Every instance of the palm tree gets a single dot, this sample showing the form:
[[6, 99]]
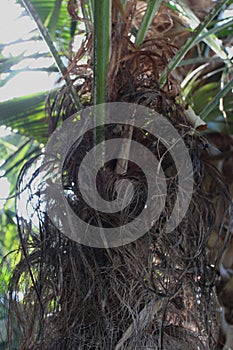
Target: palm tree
[[157, 291]]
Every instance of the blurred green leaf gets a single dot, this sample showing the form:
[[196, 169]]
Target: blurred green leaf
[[199, 28], [212, 103], [27, 115], [53, 14]]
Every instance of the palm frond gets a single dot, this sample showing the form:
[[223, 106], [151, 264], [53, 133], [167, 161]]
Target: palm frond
[[192, 41], [27, 115]]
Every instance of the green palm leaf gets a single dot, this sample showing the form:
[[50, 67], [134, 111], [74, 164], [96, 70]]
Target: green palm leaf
[[27, 115]]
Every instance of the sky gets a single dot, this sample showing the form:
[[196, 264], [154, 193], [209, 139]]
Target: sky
[[14, 27]]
